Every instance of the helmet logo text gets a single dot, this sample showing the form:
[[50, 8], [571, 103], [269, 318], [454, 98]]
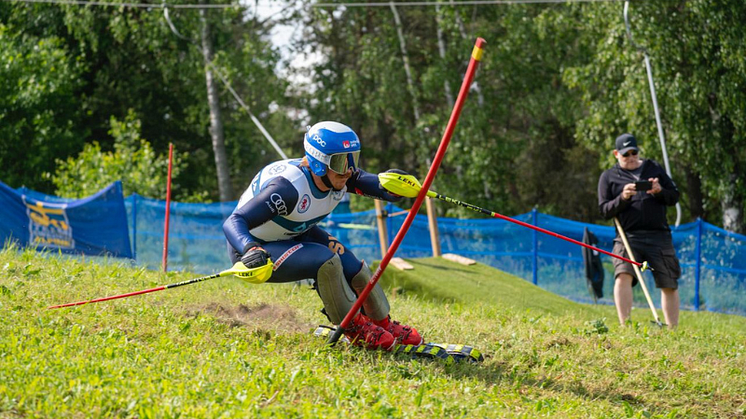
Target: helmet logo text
[[318, 139]]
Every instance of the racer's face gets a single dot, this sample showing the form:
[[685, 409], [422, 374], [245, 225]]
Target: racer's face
[[337, 180]]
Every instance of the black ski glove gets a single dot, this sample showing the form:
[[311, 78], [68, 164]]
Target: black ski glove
[[254, 256]]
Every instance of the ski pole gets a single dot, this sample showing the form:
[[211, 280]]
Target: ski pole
[[408, 186], [254, 276], [637, 272], [476, 57]]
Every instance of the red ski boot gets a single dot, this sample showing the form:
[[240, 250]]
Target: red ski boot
[[406, 335], [363, 332]]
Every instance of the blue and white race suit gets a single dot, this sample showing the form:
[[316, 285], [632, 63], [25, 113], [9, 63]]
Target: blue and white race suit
[[281, 209]]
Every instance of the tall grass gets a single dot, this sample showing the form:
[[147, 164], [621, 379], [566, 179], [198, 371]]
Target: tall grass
[[226, 349]]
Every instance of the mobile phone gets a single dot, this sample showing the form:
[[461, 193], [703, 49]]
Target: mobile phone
[[643, 185]]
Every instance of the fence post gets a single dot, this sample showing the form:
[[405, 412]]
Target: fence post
[[168, 208], [535, 264], [389, 222], [432, 221], [134, 227], [698, 264], [381, 222]]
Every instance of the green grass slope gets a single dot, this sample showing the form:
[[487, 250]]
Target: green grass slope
[[441, 280], [227, 349], [444, 282]]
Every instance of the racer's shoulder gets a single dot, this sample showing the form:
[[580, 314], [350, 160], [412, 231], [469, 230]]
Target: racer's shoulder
[[286, 168]]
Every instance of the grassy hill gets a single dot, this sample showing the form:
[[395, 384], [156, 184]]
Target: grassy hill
[[227, 349], [440, 280]]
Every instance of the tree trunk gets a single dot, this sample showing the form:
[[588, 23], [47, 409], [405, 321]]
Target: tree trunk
[[405, 58], [442, 50], [464, 35], [216, 122], [732, 206], [694, 186]]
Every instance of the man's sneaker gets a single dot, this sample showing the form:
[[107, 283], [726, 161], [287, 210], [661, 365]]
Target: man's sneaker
[[363, 332], [405, 335]]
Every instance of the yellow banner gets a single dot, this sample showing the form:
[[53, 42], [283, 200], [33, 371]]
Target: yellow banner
[[49, 227]]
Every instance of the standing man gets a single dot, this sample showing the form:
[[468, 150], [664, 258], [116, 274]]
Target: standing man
[[642, 214], [278, 215]]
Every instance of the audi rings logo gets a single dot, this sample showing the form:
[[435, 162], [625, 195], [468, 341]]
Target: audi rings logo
[[279, 204], [319, 140]]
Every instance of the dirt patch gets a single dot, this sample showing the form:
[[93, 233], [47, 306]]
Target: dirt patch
[[264, 317]]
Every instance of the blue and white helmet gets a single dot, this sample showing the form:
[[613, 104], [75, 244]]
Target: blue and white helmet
[[331, 145]]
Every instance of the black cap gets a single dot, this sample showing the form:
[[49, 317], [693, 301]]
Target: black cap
[[625, 143]]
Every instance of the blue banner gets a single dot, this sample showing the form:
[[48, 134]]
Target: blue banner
[[96, 225]]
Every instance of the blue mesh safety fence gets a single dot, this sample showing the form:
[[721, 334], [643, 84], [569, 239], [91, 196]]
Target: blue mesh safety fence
[[195, 241], [713, 261]]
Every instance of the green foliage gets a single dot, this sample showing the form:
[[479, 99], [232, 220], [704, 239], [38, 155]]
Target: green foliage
[[39, 82], [556, 85], [223, 348], [70, 68], [693, 48], [517, 119], [597, 326], [133, 161]]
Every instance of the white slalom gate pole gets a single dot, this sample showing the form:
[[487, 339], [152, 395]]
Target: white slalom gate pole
[[649, 70]]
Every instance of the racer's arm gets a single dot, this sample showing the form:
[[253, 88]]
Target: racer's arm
[[367, 184], [609, 205], [278, 197]]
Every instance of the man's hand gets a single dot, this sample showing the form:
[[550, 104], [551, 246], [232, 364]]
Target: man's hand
[[255, 257], [656, 189], [629, 191]]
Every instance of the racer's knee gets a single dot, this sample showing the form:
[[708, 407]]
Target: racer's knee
[[376, 306], [333, 289]]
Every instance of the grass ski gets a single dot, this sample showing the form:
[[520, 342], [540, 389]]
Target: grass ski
[[449, 353]]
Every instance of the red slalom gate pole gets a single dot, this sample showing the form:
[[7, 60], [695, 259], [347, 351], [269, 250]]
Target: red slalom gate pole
[[533, 227], [476, 57], [168, 207]]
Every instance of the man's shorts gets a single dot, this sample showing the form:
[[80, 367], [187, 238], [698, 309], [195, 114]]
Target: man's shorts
[[660, 254]]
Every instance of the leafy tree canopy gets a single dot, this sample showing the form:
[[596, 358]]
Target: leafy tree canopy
[[557, 84], [133, 161]]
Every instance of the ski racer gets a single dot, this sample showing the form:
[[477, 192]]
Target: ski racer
[[278, 215]]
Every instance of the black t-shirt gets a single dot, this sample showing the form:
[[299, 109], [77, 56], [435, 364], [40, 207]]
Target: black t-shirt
[[643, 211], [635, 173]]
